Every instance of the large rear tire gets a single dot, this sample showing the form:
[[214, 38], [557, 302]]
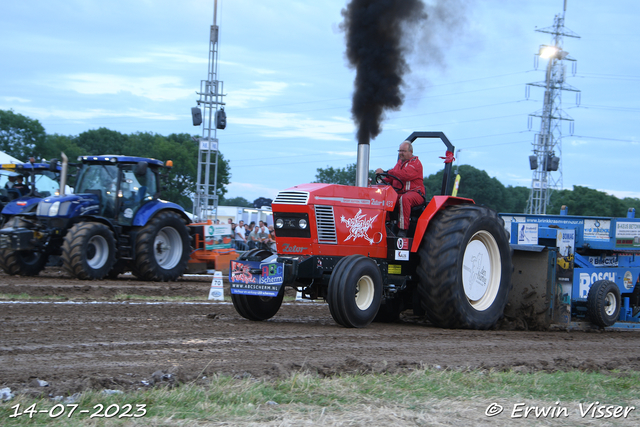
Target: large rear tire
[[23, 263], [603, 303], [88, 251], [162, 248], [355, 291], [255, 307], [465, 268]]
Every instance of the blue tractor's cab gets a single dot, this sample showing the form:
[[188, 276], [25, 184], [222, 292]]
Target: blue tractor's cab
[[114, 222]]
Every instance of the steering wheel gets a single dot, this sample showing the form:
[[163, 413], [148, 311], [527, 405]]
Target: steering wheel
[[380, 180]]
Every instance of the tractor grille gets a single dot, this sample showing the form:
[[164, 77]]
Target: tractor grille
[[292, 197], [326, 225], [43, 208]]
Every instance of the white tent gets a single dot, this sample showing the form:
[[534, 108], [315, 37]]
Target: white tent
[[5, 158]]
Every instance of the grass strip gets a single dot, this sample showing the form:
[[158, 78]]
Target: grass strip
[[429, 396]]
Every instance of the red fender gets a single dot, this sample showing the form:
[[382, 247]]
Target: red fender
[[435, 205]]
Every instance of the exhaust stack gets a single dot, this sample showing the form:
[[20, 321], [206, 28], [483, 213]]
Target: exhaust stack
[[63, 173], [362, 166]]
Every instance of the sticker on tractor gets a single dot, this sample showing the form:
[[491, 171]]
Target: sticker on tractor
[[476, 270], [359, 226], [245, 279], [395, 269], [402, 243]]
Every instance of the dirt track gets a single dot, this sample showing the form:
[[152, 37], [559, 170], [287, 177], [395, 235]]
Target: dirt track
[[90, 341]]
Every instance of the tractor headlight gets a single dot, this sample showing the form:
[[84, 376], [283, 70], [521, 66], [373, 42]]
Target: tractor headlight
[[53, 210], [302, 223], [279, 223]]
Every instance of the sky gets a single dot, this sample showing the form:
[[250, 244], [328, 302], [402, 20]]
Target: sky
[[136, 65]]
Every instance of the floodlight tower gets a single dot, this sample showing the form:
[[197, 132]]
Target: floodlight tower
[[547, 144], [213, 117]]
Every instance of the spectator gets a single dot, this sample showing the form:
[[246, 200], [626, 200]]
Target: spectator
[[254, 240], [250, 228], [241, 236], [264, 233]]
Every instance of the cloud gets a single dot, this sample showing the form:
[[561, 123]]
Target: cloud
[[164, 57], [157, 88], [14, 99], [245, 68], [89, 114], [578, 142], [343, 153], [260, 92], [293, 125]]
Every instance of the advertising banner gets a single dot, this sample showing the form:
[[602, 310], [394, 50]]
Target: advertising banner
[[214, 236]]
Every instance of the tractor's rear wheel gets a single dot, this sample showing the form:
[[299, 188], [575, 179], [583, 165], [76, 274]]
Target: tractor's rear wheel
[[23, 263], [603, 303], [355, 291], [465, 268], [88, 251], [162, 248], [254, 307]]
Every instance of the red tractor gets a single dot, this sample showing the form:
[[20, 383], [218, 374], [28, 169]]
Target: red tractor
[[338, 243]]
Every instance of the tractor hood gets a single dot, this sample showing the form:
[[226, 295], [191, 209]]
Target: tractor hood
[[70, 205], [332, 220], [376, 197], [24, 204]]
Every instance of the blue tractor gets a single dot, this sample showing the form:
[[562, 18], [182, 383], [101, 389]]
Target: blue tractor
[[41, 180], [114, 222]]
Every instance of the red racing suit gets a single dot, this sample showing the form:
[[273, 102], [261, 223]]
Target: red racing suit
[[412, 193]]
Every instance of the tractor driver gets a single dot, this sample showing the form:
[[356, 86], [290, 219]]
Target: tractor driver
[[411, 186]]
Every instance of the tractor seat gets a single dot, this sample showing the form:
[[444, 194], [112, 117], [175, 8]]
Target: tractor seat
[[416, 211]]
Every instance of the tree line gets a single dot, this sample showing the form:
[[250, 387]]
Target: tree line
[[23, 137]]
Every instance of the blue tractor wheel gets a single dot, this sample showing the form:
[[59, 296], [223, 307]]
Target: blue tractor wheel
[[23, 263], [88, 251], [162, 248]]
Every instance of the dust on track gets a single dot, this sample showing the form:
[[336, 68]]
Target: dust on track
[[80, 335]]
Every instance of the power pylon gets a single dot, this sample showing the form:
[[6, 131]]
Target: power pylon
[[205, 202], [547, 144]]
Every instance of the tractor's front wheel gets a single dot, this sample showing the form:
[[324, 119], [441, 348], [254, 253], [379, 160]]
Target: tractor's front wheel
[[88, 251], [355, 291], [162, 248], [465, 268], [254, 307], [23, 263]]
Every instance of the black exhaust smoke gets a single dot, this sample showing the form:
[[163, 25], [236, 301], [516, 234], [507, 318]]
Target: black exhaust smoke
[[375, 30], [380, 35]]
